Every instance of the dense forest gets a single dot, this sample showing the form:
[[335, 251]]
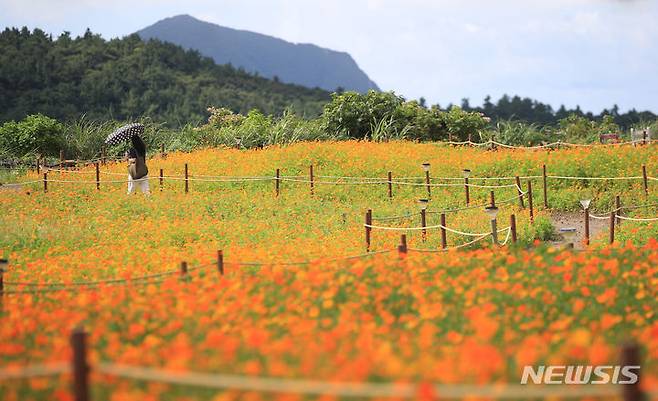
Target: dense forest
[[532, 111], [122, 78]]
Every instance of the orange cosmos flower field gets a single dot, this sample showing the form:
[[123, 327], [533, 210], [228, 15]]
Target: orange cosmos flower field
[[110, 263]]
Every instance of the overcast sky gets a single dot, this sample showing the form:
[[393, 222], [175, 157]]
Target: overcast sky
[[593, 53]]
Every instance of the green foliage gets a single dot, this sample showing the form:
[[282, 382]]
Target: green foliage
[[382, 116], [460, 123], [522, 134], [123, 79], [36, 134], [580, 129]]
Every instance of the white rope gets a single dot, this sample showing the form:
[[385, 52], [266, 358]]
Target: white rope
[[599, 217], [48, 169], [471, 242], [438, 226], [352, 389], [562, 177], [638, 218], [507, 237], [16, 184], [218, 180], [31, 371], [333, 182]]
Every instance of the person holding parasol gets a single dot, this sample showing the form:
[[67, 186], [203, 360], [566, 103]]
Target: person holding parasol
[[136, 155]]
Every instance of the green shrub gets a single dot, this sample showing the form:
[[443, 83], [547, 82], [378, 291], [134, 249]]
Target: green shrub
[[460, 123], [36, 134]]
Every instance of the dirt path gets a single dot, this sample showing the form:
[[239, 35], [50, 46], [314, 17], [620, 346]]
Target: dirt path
[[576, 220]]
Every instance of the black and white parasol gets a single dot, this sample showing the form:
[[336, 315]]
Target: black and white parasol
[[124, 133]]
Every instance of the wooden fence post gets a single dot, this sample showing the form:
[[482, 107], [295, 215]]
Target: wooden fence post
[[162, 150], [45, 182], [368, 229], [532, 211], [423, 223], [444, 239], [466, 191], [644, 179], [161, 179], [311, 177], [545, 179], [587, 226], [613, 217], [220, 262], [98, 176], [183, 268], [512, 224], [390, 184], [618, 207], [39, 164], [492, 199], [519, 191], [187, 183], [80, 367], [3, 263], [277, 182], [427, 183], [402, 248], [630, 356]]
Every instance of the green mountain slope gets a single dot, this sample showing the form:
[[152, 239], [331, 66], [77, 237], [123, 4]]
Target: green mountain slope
[[123, 78]]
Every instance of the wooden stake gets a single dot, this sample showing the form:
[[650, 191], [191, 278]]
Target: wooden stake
[[532, 211], [444, 238], [220, 262], [161, 179], [2, 278], [423, 223], [512, 224], [587, 226], [187, 183], [618, 207], [45, 182], [183, 268], [311, 176], [402, 248], [466, 191], [492, 199], [390, 184], [39, 164], [368, 229], [162, 151], [427, 184], [98, 176], [613, 217], [276, 182], [519, 191], [630, 356], [80, 367], [644, 179], [545, 179]]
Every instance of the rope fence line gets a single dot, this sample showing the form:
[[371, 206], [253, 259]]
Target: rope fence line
[[638, 218], [144, 280], [550, 145], [307, 387], [465, 244]]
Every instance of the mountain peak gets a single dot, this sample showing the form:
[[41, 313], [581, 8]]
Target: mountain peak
[[304, 64]]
